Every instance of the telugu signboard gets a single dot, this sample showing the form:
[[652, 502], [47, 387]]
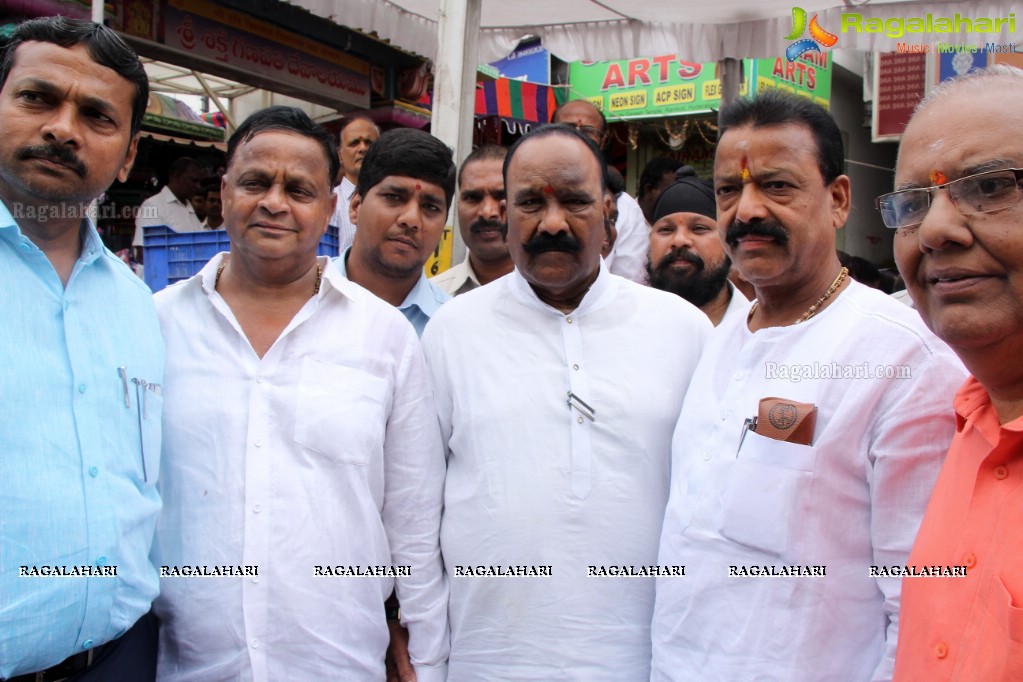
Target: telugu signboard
[[239, 42]]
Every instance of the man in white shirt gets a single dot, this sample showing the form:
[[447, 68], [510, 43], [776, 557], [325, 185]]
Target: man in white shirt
[[558, 435], [302, 461], [628, 255], [400, 206], [480, 193], [783, 525], [172, 205], [687, 257], [357, 137]]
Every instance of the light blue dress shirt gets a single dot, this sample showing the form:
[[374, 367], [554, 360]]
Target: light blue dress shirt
[[78, 461], [422, 302]]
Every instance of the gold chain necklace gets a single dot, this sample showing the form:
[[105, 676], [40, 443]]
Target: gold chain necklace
[[316, 287], [812, 310]]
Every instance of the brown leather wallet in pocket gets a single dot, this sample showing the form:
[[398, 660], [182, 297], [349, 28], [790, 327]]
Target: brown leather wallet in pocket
[[786, 420]]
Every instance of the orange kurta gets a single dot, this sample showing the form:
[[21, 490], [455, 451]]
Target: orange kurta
[[969, 628]]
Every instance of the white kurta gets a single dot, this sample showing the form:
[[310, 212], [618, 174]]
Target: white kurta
[[629, 255], [853, 499], [323, 453], [533, 482]]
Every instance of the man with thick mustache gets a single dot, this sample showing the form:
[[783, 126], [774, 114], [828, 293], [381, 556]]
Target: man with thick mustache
[[81, 369], [480, 193], [810, 437], [557, 389], [686, 255], [400, 206]]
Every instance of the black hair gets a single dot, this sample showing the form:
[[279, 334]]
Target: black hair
[[656, 169], [180, 165], [775, 107], [410, 153], [103, 44], [287, 119], [567, 131], [487, 152]]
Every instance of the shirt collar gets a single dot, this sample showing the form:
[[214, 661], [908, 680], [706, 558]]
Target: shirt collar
[[973, 405], [600, 293], [424, 295], [92, 244]]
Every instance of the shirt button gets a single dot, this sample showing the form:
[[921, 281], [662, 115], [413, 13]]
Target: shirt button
[[87, 644], [941, 650], [970, 560], [255, 644], [738, 375], [579, 419], [255, 580], [575, 367], [81, 388], [25, 246], [256, 508], [102, 561], [94, 472], [724, 417], [568, 319], [1001, 472], [706, 457], [259, 379], [259, 442]]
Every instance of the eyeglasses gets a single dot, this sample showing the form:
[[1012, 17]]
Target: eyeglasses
[[973, 194], [588, 131]]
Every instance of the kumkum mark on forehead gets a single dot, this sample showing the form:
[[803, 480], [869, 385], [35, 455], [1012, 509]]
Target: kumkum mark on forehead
[[547, 189], [938, 178], [744, 172], [418, 187]]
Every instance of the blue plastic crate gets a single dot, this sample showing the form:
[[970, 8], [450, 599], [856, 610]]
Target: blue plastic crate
[[170, 256]]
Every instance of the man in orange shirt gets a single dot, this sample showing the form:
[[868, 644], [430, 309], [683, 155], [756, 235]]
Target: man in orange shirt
[[959, 247]]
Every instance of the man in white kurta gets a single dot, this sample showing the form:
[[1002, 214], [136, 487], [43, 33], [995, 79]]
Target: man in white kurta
[[308, 473], [558, 420], [782, 538]]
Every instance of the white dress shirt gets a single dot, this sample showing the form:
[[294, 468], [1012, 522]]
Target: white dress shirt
[[533, 483], [324, 452], [852, 499], [457, 279], [342, 219], [628, 257], [738, 304], [163, 208]]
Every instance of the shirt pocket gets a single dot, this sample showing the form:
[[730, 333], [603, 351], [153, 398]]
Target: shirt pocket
[[341, 412], [765, 498]]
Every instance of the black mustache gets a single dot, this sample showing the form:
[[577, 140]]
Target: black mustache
[[544, 241], [56, 154], [486, 224], [679, 253], [759, 228]]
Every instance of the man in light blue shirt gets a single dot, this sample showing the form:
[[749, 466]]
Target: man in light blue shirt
[[80, 370], [400, 207]]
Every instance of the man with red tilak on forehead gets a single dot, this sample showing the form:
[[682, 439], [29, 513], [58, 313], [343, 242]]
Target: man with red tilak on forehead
[[810, 437], [959, 246]]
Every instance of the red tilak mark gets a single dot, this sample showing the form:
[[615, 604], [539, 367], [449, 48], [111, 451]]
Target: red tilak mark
[[938, 178], [745, 174], [418, 186], [548, 190]]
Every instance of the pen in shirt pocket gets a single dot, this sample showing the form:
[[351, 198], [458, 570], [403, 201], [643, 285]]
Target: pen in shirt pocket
[[749, 425]]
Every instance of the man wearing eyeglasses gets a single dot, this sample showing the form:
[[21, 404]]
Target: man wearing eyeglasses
[[959, 247]]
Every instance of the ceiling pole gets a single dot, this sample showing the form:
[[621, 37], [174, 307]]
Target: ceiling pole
[[454, 85], [97, 11], [730, 74], [216, 100]]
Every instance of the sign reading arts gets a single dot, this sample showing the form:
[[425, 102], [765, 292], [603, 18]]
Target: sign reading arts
[[667, 85]]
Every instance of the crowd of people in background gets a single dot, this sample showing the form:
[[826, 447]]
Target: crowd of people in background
[[670, 437]]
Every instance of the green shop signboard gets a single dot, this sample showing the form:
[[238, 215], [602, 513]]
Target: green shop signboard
[[648, 87]]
